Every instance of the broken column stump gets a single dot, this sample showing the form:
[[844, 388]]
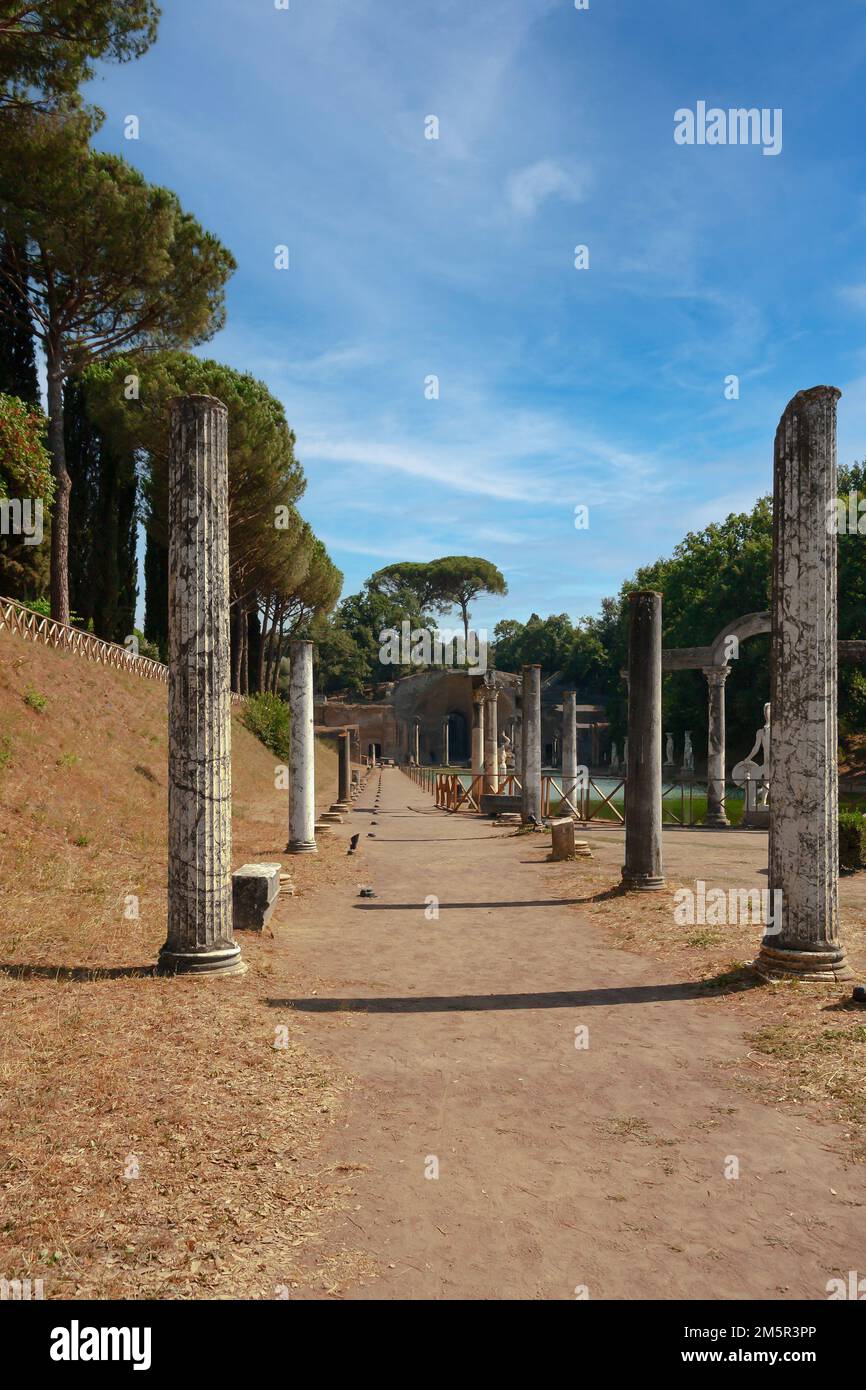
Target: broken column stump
[[255, 888]]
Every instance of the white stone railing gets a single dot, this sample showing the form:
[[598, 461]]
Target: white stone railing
[[37, 628]]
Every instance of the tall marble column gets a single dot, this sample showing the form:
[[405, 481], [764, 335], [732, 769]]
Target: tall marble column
[[569, 749], [531, 791], [803, 942], [344, 768], [477, 733], [491, 741], [302, 755], [643, 802], [199, 938], [716, 677]]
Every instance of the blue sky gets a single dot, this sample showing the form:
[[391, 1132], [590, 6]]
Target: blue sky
[[410, 257]]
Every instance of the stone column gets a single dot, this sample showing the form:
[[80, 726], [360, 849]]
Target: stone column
[[716, 677], [199, 937], [531, 796], [416, 743], [569, 749], [491, 741], [643, 802], [477, 733], [344, 766], [446, 742], [803, 940], [302, 756]]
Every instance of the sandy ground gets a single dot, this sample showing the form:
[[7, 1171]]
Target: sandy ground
[[491, 1156]]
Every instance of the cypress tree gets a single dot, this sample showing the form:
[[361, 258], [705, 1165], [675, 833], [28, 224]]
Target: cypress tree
[[17, 352], [156, 594]]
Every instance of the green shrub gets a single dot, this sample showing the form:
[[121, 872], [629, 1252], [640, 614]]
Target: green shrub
[[267, 716], [852, 840], [33, 698]]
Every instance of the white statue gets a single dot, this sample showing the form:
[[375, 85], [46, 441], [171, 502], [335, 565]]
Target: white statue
[[762, 746], [503, 760], [614, 759], [688, 753], [749, 771], [669, 750], [507, 760]]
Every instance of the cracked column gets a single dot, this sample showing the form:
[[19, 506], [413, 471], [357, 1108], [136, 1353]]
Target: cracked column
[[491, 741], [199, 938], [716, 677], [569, 750], [531, 794], [803, 941], [643, 802], [302, 756], [478, 733]]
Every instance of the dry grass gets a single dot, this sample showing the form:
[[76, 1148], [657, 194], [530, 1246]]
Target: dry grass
[[806, 1044], [153, 1141]]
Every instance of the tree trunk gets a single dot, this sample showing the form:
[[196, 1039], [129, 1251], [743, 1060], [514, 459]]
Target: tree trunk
[[63, 487]]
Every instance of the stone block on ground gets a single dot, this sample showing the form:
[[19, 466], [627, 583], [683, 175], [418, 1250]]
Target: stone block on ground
[[562, 838], [254, 894]]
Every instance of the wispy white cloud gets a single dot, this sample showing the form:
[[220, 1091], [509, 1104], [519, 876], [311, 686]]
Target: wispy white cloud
[[529, 187]]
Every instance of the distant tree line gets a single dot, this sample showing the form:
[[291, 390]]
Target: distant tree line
[[113, 282]]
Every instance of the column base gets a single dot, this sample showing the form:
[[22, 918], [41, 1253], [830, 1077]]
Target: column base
[[641, 883], [782, 963], [717, 821], [302, 847], [218, 960]]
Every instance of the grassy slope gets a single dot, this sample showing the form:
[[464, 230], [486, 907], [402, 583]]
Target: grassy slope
[[104, 1076]]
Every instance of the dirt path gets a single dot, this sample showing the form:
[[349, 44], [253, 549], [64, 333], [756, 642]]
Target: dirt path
[[558, 1166]]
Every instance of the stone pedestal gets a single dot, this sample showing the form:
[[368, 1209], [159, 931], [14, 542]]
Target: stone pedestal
[[531, 794], [255, 888], [302, 752], [643, 803], [199, 939], [803, 771], [562, 839], [716, 817]]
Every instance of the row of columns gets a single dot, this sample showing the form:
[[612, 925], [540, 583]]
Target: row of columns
[[802, 939], [803, 847]]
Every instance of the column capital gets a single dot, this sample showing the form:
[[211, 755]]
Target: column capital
[[716, 675]]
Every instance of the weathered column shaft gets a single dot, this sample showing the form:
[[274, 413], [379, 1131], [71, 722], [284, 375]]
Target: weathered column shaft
[[716, 677], [344, 767], [491, 743], [199, 938], [302, 752], [477, 734], [531, 793], [803, 940], [643, 802], [569, 749]]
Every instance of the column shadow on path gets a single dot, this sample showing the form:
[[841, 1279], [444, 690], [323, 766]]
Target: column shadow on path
[[476, 1003]]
